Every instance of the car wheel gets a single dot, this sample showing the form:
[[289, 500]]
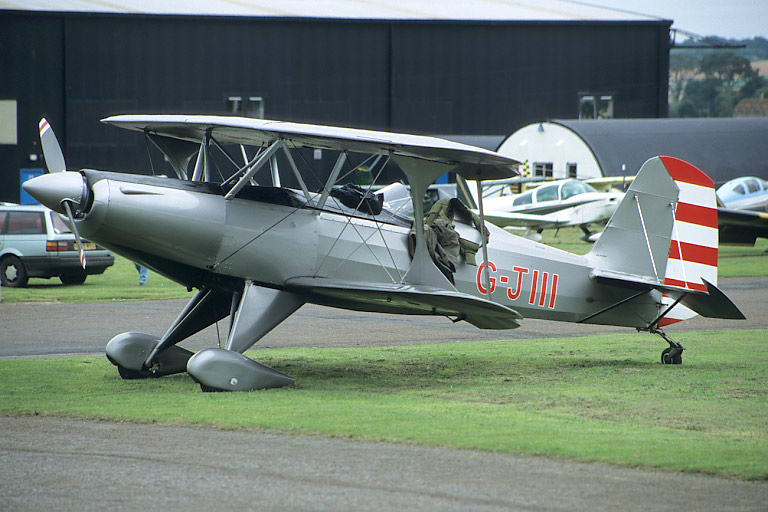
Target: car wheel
[[75, 278], [13, 273]]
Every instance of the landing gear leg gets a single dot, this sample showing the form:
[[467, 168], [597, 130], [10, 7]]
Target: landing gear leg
[[673, 354]]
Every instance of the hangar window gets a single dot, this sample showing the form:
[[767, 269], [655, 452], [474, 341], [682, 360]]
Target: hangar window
[[246, 106], [595, 106], [542, 169], [571, 170]]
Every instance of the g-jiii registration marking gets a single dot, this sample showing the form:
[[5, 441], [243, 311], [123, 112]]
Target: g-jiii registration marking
[[539, 281]]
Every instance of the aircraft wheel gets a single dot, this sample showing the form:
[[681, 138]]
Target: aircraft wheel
[[668, 358]]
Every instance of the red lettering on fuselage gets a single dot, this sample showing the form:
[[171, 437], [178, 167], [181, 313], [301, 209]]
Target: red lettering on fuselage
[[519, 287], [543, 293], [553, 294], [532, 298], [491, 280], [538, 295]]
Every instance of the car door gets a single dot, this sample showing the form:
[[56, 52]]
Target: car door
[[25, 232]]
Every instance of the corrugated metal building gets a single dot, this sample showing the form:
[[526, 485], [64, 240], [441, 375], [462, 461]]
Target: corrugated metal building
[[724, 148], [448, 67]]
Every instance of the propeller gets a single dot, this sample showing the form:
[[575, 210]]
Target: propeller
[[54, 161], [54, 158]]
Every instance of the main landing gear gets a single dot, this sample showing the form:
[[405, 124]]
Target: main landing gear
[[254, 311], [673, 354]]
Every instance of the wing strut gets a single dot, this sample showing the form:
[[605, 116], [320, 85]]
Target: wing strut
[[483, 241], [296, 173], [332, 179], [263, 158], [201, 165]]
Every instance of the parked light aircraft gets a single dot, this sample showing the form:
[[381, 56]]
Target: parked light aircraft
[[746, 193], [558, 204], [256, 254]]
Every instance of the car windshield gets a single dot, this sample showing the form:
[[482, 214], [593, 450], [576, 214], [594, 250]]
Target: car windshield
[[60, 226]]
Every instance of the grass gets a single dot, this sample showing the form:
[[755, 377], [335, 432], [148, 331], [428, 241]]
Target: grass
[[120, 282], [598, 398]]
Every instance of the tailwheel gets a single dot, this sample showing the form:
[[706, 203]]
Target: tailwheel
[[668, 357], [673, 354]]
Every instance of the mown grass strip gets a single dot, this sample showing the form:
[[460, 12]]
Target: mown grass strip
[[598, 398]]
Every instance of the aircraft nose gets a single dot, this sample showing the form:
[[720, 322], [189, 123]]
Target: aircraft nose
[[54, 189]]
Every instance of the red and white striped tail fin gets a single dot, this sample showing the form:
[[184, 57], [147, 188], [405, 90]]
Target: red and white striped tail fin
[[694, 244]]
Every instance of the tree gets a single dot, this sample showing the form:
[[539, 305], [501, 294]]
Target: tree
[[682, 68], [728, 78], [727, 67]]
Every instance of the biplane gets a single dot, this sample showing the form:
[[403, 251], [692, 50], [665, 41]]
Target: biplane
[[256, 251]]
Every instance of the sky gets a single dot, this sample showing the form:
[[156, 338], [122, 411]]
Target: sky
[[738, 19]]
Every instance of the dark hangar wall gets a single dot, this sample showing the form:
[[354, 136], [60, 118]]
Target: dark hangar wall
[[422, 77]]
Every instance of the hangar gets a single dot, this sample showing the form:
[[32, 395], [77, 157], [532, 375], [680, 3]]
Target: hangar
[[449, 67], [724, 148]]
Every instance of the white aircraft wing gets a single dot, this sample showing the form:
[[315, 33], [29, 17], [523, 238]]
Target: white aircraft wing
[[475, 162], [407, 299], [522, 220]]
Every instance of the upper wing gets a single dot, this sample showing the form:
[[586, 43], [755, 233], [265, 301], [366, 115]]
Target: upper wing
[[475, 161], [407, 299]]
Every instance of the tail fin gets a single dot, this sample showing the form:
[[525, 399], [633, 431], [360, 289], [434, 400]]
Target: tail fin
[[664, 232]]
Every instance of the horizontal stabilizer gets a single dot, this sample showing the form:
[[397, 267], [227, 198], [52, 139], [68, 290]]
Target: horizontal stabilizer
[[711, 304], [406, 299]]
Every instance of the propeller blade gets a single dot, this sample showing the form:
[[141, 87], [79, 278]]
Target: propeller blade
[[80, 249], [54, 158]]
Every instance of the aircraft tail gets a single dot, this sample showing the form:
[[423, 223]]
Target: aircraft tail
[[664, 234]]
